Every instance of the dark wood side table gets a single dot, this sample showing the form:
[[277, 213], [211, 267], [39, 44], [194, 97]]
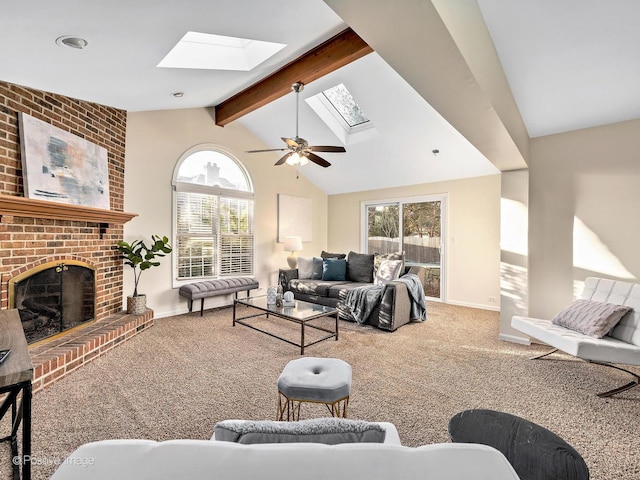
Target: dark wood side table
[[16, 373]]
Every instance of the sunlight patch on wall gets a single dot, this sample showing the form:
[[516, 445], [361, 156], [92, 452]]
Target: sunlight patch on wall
[[590, 253], [513, 286], [514, 227]]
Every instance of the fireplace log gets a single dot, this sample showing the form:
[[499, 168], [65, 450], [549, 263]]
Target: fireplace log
[[41, 308]]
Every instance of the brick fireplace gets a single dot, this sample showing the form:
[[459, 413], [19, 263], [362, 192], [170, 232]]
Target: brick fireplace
[[36, 232]]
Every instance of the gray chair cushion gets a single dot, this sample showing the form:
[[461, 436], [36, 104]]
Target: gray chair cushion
[[330, 431], [325, 380], [534, 452]]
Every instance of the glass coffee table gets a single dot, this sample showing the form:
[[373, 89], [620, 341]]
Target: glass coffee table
[[302, 313]]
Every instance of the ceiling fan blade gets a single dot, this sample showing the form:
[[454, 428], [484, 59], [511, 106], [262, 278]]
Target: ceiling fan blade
[[327, 149], [283, 159], [290, 141], [267, 150], [317, 160]]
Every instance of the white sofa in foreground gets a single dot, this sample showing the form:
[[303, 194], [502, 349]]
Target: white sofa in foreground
[[205, 459], [620, 346]]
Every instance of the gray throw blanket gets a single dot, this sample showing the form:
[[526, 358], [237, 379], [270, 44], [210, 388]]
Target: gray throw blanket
[[362, 300], [416, 294]]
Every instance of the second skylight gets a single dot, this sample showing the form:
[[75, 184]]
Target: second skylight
[[217, 52]]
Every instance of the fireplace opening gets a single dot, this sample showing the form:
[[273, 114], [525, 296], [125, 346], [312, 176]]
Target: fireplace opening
[[53, 297]]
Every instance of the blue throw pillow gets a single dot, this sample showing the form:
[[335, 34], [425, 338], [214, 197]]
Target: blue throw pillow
[[334, 269]]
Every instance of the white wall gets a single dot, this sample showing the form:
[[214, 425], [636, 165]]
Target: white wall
[[155, 142], [472, 268], [583, 212]]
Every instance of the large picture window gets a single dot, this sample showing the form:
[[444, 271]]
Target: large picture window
[[213, 216]]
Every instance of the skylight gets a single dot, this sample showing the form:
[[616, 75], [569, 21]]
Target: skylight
[[344, 103], [217, 52], [341, 113]]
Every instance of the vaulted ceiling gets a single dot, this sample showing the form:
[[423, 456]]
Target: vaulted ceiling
[[473, 79]]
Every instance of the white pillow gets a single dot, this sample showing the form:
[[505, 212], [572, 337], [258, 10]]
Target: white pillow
[[388, 270], [305, 267]]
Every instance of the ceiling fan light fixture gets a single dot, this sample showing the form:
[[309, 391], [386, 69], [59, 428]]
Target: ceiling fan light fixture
[[299, 150], [294, 159]]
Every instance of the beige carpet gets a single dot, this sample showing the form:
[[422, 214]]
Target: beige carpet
[[180, 377]]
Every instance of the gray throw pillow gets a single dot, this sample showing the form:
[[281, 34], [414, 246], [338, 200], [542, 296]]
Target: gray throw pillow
[[305, 267], [316, 272], [333, 255], [591, 318], [360, 267], [330, 431]]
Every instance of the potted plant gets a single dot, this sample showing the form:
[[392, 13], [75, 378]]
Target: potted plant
[[141, 257]]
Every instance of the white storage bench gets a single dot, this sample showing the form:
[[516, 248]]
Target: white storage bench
[[214, 288], [620, 346]]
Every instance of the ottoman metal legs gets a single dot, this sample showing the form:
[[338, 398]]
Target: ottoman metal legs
[[314, 380]]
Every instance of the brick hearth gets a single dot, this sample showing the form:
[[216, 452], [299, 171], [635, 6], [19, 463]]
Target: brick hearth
[[53, 359]]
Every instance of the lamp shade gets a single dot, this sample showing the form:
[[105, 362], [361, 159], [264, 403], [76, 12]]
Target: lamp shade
[[292, 244]]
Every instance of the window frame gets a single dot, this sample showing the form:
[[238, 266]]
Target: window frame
[[217, 191], [400, 201]]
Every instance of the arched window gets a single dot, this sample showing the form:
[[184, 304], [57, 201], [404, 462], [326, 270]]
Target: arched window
[[213, 215]]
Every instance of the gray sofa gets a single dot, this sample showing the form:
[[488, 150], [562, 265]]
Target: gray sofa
[[393, 310]]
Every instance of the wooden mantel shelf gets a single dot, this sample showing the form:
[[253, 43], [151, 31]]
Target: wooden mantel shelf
[[28, 207]]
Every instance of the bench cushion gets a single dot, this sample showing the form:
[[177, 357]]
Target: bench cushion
[[606, 349], [220, 286]]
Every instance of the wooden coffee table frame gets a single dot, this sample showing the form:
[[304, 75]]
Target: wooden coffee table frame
[[287, 313]]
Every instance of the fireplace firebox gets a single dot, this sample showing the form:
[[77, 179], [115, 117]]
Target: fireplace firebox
[[53, 297]]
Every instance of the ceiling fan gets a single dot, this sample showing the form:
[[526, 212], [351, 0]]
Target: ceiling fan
[[299, 150]]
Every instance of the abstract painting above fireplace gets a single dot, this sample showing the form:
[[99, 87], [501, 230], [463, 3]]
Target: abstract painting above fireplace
[[62, 167]]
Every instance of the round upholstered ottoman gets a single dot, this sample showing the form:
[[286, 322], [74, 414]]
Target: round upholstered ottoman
[[534, 452], [314, 380]]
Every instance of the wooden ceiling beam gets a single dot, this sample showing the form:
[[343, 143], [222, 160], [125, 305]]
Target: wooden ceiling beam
[[336, 52]]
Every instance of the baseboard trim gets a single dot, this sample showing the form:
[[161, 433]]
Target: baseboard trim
[[474, 305], [514, 339], [172, 313]]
